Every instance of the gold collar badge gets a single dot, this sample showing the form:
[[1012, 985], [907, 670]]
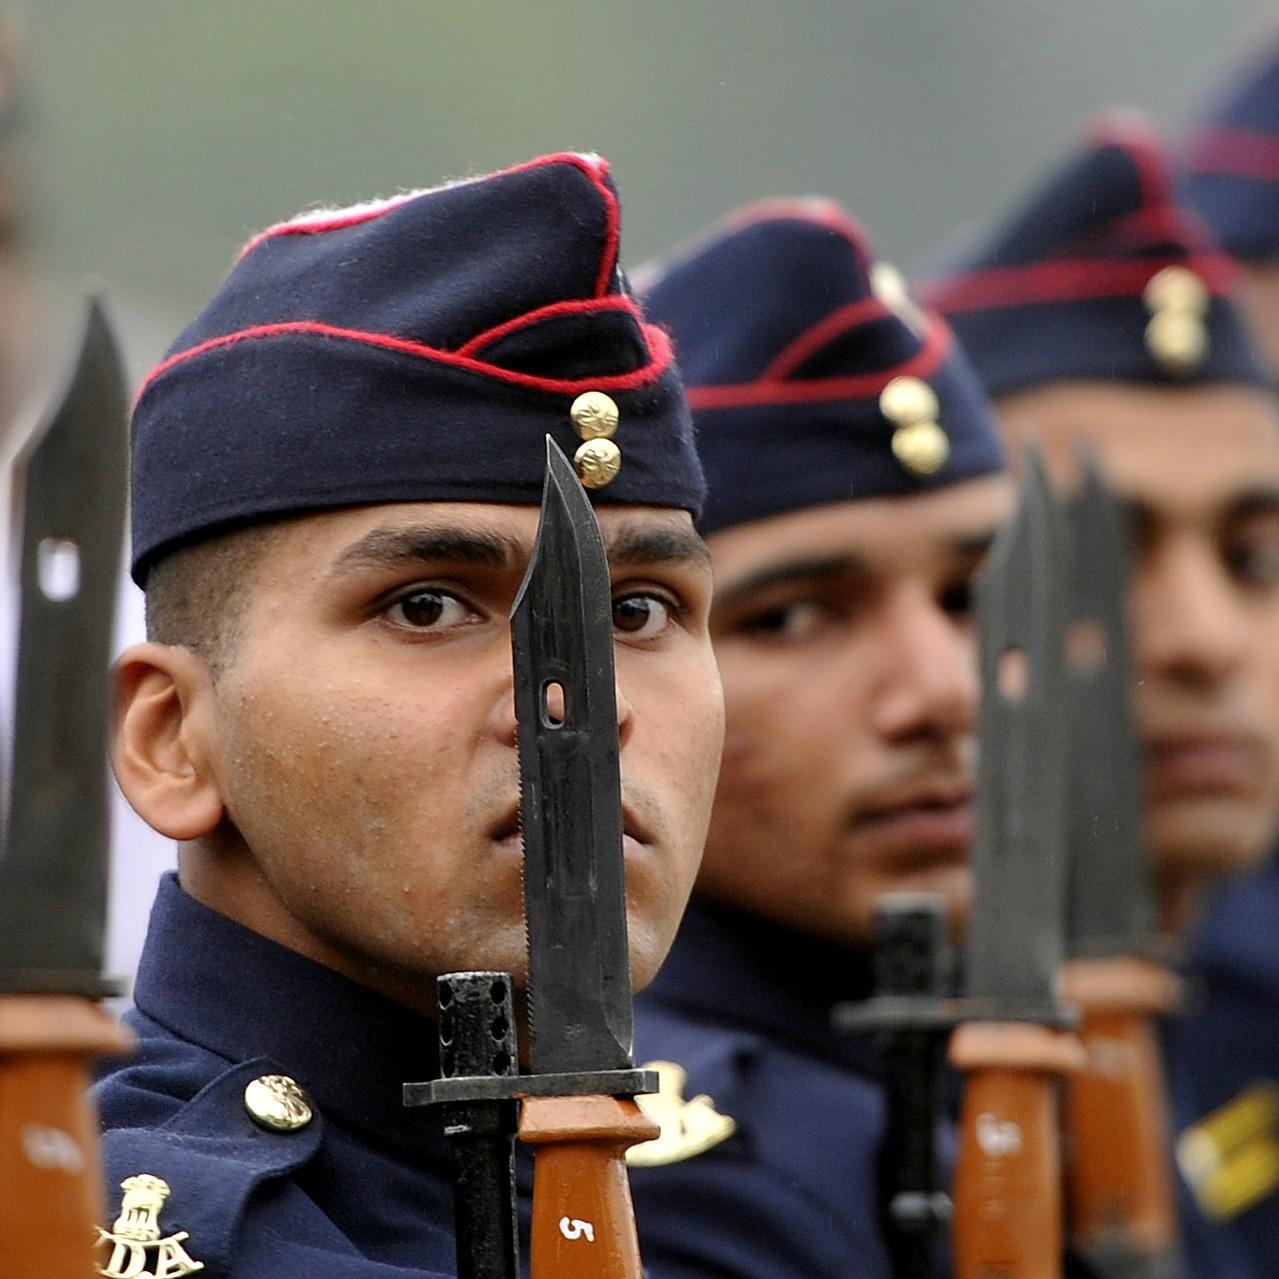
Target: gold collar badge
[[1177, 334], [1230, 1158], [688, 1127], [918, 443], [135, 1240], [598, 459]]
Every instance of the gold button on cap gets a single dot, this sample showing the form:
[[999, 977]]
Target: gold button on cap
[[597, 463], [278, 1103], [594, 415], [1178, 341], [922, 447], [906, 400], [1177, 288]]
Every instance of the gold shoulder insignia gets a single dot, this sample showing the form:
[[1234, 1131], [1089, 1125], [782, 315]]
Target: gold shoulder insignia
[[688, 1127], [1230, 1158], [135, 1240]]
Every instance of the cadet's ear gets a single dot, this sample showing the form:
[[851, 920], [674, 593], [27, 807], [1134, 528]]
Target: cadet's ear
[[164, 739]]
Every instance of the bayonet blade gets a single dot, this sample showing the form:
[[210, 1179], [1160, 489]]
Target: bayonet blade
[[1111, 898], [1016, 937], [571, 807], [54, 868]]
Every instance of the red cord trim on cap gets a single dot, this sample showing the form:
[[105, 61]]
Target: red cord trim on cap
[[336, 223], [1236, 153], [1161, 224], [658, 345], [575, 306], [822, 333], [936, 348], [1132, 134], [594, 169], [1079, 280]]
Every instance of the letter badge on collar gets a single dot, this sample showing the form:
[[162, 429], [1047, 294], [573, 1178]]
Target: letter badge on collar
[[136, 1249]]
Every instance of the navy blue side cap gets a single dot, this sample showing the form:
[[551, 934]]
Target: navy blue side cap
[[1099, 274], [1231, 162], [812, 375], [414, 349]]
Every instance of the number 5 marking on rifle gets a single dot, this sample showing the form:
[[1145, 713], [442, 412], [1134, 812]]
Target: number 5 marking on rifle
[[572, 1228], [49, 1148], [997, 1137]]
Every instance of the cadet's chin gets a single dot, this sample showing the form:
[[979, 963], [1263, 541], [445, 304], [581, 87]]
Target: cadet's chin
[[1207, 839]]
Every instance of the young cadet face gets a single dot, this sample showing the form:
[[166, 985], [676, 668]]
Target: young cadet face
[[362, 739], [1200, 470], [846, 647]]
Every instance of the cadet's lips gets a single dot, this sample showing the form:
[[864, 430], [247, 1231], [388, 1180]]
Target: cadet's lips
[[1205, 763], [507, 832], [920, 820]]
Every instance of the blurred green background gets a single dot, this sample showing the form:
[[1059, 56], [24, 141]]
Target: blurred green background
[[166, 131]]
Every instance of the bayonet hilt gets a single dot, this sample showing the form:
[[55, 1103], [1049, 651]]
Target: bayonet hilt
[[912, 1016], [477, 1039]]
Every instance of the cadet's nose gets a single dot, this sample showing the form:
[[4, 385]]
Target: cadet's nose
[[929, 680]]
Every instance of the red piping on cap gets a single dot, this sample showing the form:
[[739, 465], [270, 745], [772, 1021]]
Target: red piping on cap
[[1068, 281], [821, 334], [1236, 153], [595, 169], [576, 306], [657, 341], [936, 347]]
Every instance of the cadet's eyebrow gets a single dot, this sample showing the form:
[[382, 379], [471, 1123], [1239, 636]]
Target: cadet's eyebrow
[[808, 570], [1144, 517], [632, 546], [971, 546], [417, 544], [1262, 501]]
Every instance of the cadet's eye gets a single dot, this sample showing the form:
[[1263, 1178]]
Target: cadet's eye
[[1254, 561], [791, 622], [428, 609], [641, 616], [957, 599]]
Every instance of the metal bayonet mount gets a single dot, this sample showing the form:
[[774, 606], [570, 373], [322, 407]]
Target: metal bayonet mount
[[571, 821]]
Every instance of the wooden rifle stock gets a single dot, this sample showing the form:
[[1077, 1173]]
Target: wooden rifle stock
[[583, 1222], [1119, 1177], [52, 1194], [1008, 1203]]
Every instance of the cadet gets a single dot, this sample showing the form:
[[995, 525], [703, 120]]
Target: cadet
[[855, 480], [1100, 314], [1231, 1048], [336, 473]]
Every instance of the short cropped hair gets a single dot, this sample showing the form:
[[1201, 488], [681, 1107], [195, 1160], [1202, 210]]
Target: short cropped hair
[[196, 596]]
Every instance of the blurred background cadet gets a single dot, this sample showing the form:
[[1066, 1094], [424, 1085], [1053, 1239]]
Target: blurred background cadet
[[1101, 315]]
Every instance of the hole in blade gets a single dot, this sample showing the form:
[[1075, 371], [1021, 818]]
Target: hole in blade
[[554, 711], [58, 569], [1086, 649], [1012, 675]]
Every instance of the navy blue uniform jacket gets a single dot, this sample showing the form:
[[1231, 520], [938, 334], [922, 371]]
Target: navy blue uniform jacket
[[361, 1192], [744, 1008], [1223, 1063]]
